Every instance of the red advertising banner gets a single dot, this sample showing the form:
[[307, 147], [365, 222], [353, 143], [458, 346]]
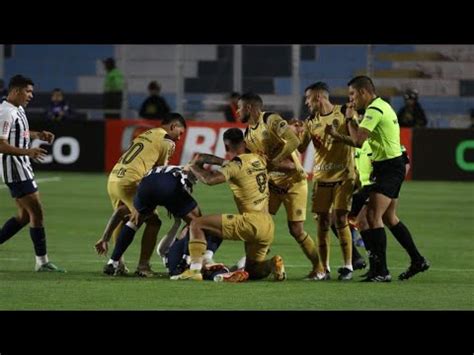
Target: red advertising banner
[[406, 140], [200, 137]]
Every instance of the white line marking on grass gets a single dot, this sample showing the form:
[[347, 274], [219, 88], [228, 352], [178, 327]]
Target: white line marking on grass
[[51, 179]]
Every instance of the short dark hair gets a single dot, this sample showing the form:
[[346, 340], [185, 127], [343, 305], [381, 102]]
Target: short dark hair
[[173, 117], [19, 81], [234, 136], [234, 95], [318, 86], [153, 85], [362, 82], [57, 90], [251, 98]]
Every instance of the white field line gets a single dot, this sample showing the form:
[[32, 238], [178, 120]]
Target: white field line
[[51, 179]]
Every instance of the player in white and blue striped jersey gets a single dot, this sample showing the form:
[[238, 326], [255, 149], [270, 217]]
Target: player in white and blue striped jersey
[[16, 171]]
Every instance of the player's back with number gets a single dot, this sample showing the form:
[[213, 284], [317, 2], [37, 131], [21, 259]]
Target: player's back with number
[[149, 149], [248, 177]]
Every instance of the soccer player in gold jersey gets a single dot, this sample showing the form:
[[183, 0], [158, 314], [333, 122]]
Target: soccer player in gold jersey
[[269, 135], [151, 148], [333, 174], [247, 176]]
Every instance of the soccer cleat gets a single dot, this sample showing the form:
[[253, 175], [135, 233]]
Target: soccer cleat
[[359, 264], [414, 268], [48, 267], [278, 268], [345, 274], [378, 278], [320, 276], [110, 270], [235, 276], [144, 272], [121, 270], [188, 275]]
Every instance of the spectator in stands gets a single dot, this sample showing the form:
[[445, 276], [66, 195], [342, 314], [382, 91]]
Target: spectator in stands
[[230, 109], [411, 115], [113, 89], [3, 91], [154, 107], [58, 109]]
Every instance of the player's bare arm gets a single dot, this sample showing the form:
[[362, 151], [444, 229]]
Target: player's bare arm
[[43, 135], [331, 130], [286, 165], [207, 177], [203, 158], [101, 246], [34, 153]]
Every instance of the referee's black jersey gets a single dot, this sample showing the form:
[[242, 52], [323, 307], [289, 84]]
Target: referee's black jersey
[[15, 130]]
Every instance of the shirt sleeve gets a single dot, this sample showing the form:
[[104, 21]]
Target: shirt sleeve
[[5, 124], [277, 125], [371, 119], [231, 169]]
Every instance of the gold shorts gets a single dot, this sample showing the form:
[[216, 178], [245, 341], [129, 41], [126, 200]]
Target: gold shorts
[[122, 191], [294, 198], [256, 229], [336, 194]]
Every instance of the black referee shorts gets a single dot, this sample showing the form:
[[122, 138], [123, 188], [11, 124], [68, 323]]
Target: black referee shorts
[[388, 176]]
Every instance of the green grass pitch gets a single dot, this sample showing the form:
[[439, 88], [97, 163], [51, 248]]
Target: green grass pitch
[[439, 214]]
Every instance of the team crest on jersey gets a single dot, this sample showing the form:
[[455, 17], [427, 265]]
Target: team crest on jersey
[[335, 123], [256, 164], [367, 117], [6, 127]]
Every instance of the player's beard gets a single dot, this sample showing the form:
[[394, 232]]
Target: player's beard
[[245, 118]]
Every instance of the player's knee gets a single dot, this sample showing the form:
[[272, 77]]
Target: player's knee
[[341, 220], [23, 218], [324, 220], [296, 229], [390, 221]]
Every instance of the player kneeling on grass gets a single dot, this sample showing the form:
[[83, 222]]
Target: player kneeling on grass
[[247, 175], [174, 251], [167, 186]]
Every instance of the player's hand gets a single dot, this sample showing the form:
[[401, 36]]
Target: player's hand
[[330, 129], [135, 217], [37, 153], [102, 247], [350, 110], [46, 136], [317, 141]]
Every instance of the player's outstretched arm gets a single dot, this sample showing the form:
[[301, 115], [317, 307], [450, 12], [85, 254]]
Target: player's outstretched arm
[[43, 135], [117, 216], [207, 177], [203, 158]]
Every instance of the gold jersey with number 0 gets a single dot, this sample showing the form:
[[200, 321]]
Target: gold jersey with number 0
[[151, 148], [247, 177], [333, 161]]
